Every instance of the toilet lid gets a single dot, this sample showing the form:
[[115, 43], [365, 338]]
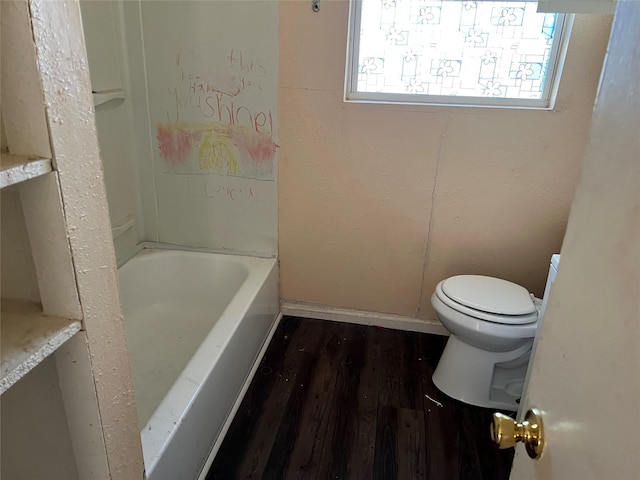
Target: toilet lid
[[488, 294]]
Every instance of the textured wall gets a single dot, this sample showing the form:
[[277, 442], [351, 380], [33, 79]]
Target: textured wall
[[377, 203]]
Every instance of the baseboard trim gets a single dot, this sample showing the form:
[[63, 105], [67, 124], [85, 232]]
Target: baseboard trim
[[361, 317]]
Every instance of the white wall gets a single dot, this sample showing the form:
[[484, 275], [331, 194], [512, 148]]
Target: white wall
[[209, 70], [107, 56], [35, 436], [19, 279]]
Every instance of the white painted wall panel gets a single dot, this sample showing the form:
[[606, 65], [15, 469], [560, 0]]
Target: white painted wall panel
[[19, 279], [212, 89], [35, 435], [103, 52], [138, 109], [117, 155], [115, 151], [23, 118], [107, 57]]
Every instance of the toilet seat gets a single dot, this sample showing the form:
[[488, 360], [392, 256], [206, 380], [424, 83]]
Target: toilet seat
[[487, 298]]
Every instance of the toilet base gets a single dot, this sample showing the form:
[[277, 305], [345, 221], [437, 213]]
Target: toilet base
[[469, 374]]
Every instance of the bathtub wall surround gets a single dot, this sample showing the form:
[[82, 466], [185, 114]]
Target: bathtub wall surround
[[228, 308], [189, 133], [377, 203], [208, 121], [107, 56]]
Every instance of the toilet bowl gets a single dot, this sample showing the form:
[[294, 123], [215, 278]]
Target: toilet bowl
[[492, 323]]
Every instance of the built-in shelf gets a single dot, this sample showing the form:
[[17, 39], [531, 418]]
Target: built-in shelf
[[27, 337], [104, 96], [121, 226], [18, 168]]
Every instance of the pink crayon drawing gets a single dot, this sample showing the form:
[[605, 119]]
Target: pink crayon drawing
[[176, 145], [258, 147]]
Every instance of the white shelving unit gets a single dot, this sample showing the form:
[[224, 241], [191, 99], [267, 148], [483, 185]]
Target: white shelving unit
[[102, 97], [28, 338], [64, 376], [18, 168]]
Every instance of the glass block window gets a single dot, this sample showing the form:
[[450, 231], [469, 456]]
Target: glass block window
[[454, 52]]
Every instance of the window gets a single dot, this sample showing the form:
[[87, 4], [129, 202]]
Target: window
[[455, 52]]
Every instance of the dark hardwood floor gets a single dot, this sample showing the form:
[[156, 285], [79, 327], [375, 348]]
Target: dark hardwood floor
[[341, 401]]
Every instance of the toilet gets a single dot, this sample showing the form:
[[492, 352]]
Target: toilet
[[492, 325]]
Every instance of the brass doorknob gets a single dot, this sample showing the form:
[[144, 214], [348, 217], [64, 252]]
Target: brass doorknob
[[506, 432]]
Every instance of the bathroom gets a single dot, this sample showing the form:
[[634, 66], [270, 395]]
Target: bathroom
[[366, 206]]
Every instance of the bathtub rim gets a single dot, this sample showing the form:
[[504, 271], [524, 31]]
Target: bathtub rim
[[186, 248]]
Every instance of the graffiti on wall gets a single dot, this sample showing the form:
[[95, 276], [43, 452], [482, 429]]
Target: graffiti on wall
[[217, 148], [231, 138]]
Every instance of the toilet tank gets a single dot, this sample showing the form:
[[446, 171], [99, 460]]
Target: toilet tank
[[551, 277], [553, 270]]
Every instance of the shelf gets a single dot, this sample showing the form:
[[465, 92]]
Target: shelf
[[18, 168], [28, 337], [123, 225], [102, 97]]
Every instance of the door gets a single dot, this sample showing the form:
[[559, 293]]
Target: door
[[585, 377]]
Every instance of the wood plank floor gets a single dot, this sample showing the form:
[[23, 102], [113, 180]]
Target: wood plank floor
[[341, 401]]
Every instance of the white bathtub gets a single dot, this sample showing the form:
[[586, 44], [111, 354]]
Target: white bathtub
[[195, 323]]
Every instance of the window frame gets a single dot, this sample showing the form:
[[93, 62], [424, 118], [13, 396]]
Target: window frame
[[547, 102]]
